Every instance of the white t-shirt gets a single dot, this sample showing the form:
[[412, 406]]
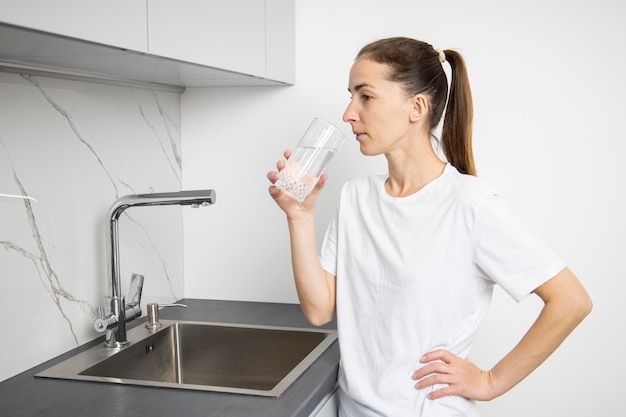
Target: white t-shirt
[[415, 274]]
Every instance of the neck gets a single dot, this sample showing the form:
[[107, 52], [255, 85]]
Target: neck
[[410, 169]]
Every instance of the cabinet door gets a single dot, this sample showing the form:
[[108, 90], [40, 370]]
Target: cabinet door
[[119, 23], [280, 40], [329, 407], [222, 34]]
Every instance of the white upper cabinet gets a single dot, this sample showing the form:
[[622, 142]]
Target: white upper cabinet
[[280, 38], [254, 37], [225, 34], [119, 23], [184, 43]]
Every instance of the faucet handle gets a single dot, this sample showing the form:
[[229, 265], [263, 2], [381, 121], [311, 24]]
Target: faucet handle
[[100, 311], [132, 310], [104, 321], [135, 289]]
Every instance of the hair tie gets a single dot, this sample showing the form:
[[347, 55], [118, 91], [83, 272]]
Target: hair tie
[[442, 55]]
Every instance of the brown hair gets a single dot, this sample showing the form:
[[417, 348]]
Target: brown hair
[[417, 66]]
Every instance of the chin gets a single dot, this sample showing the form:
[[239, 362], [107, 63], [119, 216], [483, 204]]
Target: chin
[[368, 152]]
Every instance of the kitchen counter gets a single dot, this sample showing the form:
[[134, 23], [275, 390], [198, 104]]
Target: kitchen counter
[[26, 395]]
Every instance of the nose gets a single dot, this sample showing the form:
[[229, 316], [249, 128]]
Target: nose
[[350, 115]]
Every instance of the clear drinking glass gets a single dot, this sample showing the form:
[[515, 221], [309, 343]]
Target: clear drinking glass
[[306, 164]]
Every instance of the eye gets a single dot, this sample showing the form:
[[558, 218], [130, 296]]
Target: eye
[[365, 98]]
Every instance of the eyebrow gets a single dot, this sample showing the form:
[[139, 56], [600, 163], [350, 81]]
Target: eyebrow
[[358, 87]]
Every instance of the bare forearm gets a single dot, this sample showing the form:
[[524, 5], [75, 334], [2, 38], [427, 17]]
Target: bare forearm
[[315, 287], [566, 305]]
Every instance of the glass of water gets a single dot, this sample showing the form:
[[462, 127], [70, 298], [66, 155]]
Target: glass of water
[[306, 164]]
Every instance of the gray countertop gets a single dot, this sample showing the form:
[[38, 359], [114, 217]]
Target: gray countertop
[[26, 395]]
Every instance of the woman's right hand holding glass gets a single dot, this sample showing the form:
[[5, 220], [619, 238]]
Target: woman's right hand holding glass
[[292, 208]]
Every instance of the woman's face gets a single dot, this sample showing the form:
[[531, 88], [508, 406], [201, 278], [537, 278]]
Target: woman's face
[[379, 110]]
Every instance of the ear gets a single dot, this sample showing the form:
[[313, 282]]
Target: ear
[[419, 107]]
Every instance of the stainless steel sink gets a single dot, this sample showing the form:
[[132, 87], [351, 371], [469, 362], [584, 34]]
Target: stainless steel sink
[[243, 359]]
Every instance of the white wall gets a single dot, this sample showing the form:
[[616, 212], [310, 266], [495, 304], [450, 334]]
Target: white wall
[[549, 110]]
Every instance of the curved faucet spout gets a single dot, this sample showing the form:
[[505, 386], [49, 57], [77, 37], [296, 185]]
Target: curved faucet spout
[[194, 198], [181, 198]]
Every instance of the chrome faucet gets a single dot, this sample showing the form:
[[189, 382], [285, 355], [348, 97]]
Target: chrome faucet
[[114, 324]]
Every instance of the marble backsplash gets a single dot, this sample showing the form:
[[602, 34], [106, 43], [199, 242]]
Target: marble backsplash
[[68, 150]]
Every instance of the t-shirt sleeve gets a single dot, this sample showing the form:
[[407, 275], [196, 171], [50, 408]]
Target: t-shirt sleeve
[[508, 253], [328, 251]]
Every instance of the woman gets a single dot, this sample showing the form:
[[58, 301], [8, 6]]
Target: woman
[[409, 261]]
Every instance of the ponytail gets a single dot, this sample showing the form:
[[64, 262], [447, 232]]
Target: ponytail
[[456, 134]]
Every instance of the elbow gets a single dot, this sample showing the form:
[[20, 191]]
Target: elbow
[[319, 319], [582, 302], [568, 296], [318, 314], [579, 306], [584, 306], [319, 323]]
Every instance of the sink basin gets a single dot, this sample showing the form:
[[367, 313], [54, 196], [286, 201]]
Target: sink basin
[[243, 359]]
